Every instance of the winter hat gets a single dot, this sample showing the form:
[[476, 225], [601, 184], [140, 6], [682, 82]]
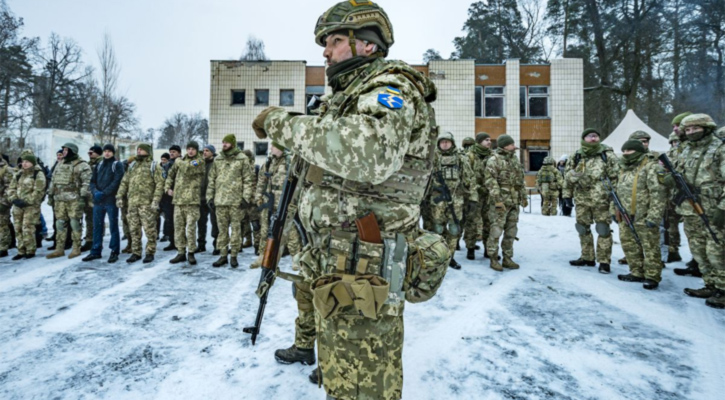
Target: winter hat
[[59, 151], [109, 147], [590, 130], [96, 149], [29, 157], [71, 147], [210, 148], [166, 156], [175, 147], [147, 148], [6, 158], [193, 144], [230, 138], [635, 145], [674, 137], [481, 136], [504, 140], [678, 119]]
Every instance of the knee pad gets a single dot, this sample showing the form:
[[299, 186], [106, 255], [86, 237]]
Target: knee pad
[[511, 234], [438, 228], [603, 229], [75, 225], [495, 232], [582, 229], [60, 225]]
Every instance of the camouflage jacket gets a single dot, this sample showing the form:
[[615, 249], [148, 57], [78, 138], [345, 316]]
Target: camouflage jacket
[[6, 175], [142, 184], [71, 181], [583, 176], [505, 179], [641, 190], [455, 168], [549, 179], [185, 180], [477, 157], [230, 179], [702, 163], [28, 185], [271, 181]]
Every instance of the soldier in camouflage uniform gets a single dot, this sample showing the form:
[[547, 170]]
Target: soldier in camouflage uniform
[[477, 222], [549, 182], [672, 219], [583, 177], [67, 194], [183, 184], [139, 194], [702, 163], [6, 175], [507, 192], [466, 144], [455, 170], [95, 154], [641, 190], [229, 193], [26, 192], [124, 211], [369, 150], [250, 223]]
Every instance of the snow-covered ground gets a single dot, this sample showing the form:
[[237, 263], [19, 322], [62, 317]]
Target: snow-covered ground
[[75, 330]]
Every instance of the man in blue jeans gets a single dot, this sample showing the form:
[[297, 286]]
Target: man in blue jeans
[[106, 178]]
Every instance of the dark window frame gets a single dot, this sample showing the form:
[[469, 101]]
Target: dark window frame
[[258, 146], [244, 98], [281, 91], [530, 96], [498, 97], [256, 97]]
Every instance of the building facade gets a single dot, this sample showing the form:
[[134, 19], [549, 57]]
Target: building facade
[[540, 106]]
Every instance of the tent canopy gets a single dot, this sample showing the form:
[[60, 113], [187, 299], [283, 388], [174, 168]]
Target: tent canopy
[[629, 125]]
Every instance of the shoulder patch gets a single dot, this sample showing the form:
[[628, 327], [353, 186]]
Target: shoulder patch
[[390, 100]]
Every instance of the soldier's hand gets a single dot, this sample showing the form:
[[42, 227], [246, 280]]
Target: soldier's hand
[[170, 192], [155, 205], [258, 123], [119, 203], [718, 219], [525, 202]]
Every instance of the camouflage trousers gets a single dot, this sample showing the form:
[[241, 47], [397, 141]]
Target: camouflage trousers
[[142, 217], [443, 222], [25, 221], [673, 228], [5, 234], [293, 242], [598, 214], [88, 217], [503, 221], [645, 261], [550, 203], [185, 219], [305, 321], [228, 217], [477, 226], [709, 255], [68, 213], [124, 219]]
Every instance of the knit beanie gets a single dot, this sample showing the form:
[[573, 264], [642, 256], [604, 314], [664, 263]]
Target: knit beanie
[[590, 130], [96, 149], [166, 156], [175, 147], [481, 136], [29, 157], [109, 147], [210, 148], [230, 138], [635, 145], [147, 148], [504, 140], [193, 144]]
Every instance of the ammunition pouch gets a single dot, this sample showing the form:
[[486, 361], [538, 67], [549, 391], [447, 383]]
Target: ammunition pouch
[[365, 293], [427, 265]]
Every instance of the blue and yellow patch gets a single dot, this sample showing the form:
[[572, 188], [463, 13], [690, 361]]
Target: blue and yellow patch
[[391, 98]]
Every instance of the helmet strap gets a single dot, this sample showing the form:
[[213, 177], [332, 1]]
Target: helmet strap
[[351, 35]]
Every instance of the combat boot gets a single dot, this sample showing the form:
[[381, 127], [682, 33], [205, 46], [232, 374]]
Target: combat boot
[[192, 258], [133, 258], [693, 263], [221, 261], [604, 268], [179, 258], [170, 247], [630, 278], [703, 293], [691, 269], [247, 243], [56, 254], [477, 247], [201, 248], [127, 249], [294, 354], [495, 265], [18, 257], [717, 300], [649, 284], [216, 252], [75, 253], [471, 254], [91, 257], [148, 259], [316, 376], [233, 261], [29, 255], [3, 253], [454, 264], [113, 258], [580, 262], [673, 256], [623, 261], [256, 263], [86, 246], [509, 263]]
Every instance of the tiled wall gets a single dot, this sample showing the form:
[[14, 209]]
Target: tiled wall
[[456, 97], [567, 105], [513, 118]]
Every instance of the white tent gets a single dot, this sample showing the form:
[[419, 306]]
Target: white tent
[[629, 124]]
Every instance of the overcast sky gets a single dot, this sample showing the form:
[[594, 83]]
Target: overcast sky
[[164, 46]]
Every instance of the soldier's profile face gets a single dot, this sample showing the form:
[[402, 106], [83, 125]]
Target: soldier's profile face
[[676, 128], [276, 152], [645, 143], [486, 143], [207, 153], [337, 49], [59, 156], [691, 130]]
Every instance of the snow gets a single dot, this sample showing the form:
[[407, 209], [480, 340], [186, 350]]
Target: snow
[[75, 330]]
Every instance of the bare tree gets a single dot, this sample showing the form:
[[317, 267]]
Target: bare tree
[[182, 128], [431, 55], [254, 50]]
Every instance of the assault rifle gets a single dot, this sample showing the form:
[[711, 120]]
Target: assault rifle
[[685, 193], [620, 208], [273, 251], [445, 196]]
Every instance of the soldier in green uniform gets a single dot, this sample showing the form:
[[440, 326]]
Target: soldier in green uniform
[[467, 143], [477, 222], [641, 190], [95, 154], [369, 151], [702, 163], [26, 192], [6, 175], [69, 189], [250, 223], [672, 219], [507, 192], [183, 184], [140, 194], [229, 193], [549, 183], [583, 176]]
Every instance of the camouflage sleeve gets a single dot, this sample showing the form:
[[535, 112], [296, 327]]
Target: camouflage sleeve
[[567, 186], [612, 166], [211, 183], [52, 184], [170, 177], [720, 164], [367, 146], [559, 179], [12, 188], [494, 191], [469, 181], [261, 184], [36, 197], [84, 177], [159, 182], [657, 193], [123, 187], [247, 182]]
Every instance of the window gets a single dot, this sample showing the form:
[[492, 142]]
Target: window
[[286, 98], [535, 101], [536, 159], [239, 97], [522, 101], [261, 97], [260, 148], [493, 101], [240, 145], [312, 97], [479, 101]]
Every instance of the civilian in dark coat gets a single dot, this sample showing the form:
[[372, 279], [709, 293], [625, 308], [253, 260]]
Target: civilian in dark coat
[[206, 212], [105, 181]]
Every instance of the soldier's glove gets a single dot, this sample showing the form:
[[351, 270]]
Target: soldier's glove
[[472, 207], [525, 202], [258, 123], [569, 202], [718, 219], [669, 181], [155, 205], [82, 204], [119, 203], [20, 203], [651, 224]]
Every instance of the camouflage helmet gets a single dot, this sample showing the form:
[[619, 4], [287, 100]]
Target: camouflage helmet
[[678, 118], [548, 160], [639, 135], [702, 120], [446, 136], [469, 141], [354, 15], [674, 137]]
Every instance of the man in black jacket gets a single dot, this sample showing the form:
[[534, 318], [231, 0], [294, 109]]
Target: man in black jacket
[[106, 178], [167, 206], [205, 212]]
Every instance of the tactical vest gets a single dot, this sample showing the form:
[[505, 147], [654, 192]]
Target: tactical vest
[[63, 177], [450, 167], [409, 184]]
